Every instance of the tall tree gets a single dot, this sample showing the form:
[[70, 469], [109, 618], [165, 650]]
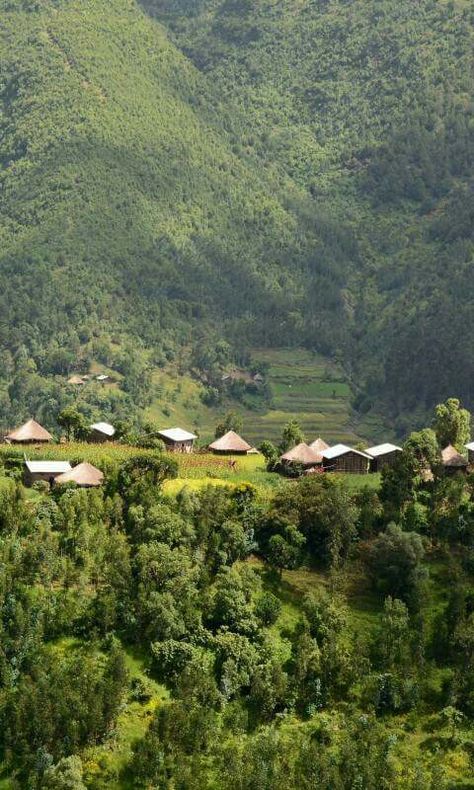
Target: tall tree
[[452, 424]]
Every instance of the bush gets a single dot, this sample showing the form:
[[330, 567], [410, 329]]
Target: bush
[[268, 608]]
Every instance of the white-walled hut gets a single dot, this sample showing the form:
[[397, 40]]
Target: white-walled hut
[[453, 461], [302, 455], [101, 432], [48, 471], [383, 455], [178, 440], [83, 475], [470, 452], [29, 433], [230, 444], [342, 458]]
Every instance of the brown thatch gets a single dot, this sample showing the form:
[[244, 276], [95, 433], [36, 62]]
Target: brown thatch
[[319, 446], [76, 380], [84, 475], [231, 442], [452, 458], [301, 454], [29, 433]]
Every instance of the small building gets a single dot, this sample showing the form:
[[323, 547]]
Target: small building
[[29, 433], [341, 458], [230, 444], [470, 451], [177, 440], [383, 455], [83, 475], [76, 381], [302, 455], [44, 470], [453, 461], [319, 445], [103, 378], [101, 432]]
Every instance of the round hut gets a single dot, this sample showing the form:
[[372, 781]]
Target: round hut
[[29, 433], [83, 475], [230, 444]]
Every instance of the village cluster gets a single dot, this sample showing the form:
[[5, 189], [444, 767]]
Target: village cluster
[[315, 458]]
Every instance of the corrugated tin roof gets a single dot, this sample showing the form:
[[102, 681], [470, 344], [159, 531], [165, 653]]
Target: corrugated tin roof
[[383, 449], [48, 467], [342, 449], [104, 427], [177, 435], [469, 446]]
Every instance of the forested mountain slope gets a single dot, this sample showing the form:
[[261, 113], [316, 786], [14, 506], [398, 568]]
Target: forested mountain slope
[[270, 172], [368, 106]]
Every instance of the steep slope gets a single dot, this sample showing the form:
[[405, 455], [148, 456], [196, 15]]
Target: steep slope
[[122, 203], [368, 106]]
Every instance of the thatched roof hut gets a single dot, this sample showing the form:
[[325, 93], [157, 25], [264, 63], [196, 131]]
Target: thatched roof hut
[[230, 444], [83, 475], [301, 454], [29, 433], [452, 460], [319, 446]]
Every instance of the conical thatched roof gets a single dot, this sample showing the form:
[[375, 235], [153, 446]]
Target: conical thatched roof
[[301, 454], [231, 442], [75, 380], [319, 446], [84, 475], [30, 432], [451, 457]]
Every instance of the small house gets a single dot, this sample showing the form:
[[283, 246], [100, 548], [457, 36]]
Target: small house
[[29, 433], [470, 451], [83, 475], [47, 471], [383, 455], [101, 432], [319, 445], [230, 444], [341, 458], [453, 461], [302, 455], [177, 440]]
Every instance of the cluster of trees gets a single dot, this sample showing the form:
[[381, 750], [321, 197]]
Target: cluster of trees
[[261, 696]]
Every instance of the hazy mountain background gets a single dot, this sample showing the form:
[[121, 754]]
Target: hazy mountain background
[[260, 172]]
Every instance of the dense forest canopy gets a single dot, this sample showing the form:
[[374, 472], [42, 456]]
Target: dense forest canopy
[[261, 171]]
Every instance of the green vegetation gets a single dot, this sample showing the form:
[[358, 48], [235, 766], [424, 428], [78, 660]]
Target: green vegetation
[[219, 176], [190, 625]]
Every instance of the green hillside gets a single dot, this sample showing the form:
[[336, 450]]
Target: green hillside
[[264, 173]]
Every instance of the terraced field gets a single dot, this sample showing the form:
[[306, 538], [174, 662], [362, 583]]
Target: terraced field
[[304, 386], [308, 388]]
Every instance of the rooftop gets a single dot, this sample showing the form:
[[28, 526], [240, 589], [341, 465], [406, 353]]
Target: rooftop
[[177, 435], [230, 442], [342, 449], [48, 467], [103, 427], [383, 449]]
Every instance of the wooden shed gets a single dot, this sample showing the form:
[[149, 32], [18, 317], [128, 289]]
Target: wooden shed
[[83, 475], [29, 433], [303, 455], [383, 455], [230, 444], [177, 440], [44, 470], [101, 432], [453, 461], [341, 458]]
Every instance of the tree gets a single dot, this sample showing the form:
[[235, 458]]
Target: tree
[[291, 436], [394, 563], [393, 640], [231, 422], [452, 424], [73, 422], [65, 775]]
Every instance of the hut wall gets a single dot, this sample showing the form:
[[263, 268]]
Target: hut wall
[[471, 456], [377, 464], [96, 437], [32, 477], [349, 462], [179, 447]]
